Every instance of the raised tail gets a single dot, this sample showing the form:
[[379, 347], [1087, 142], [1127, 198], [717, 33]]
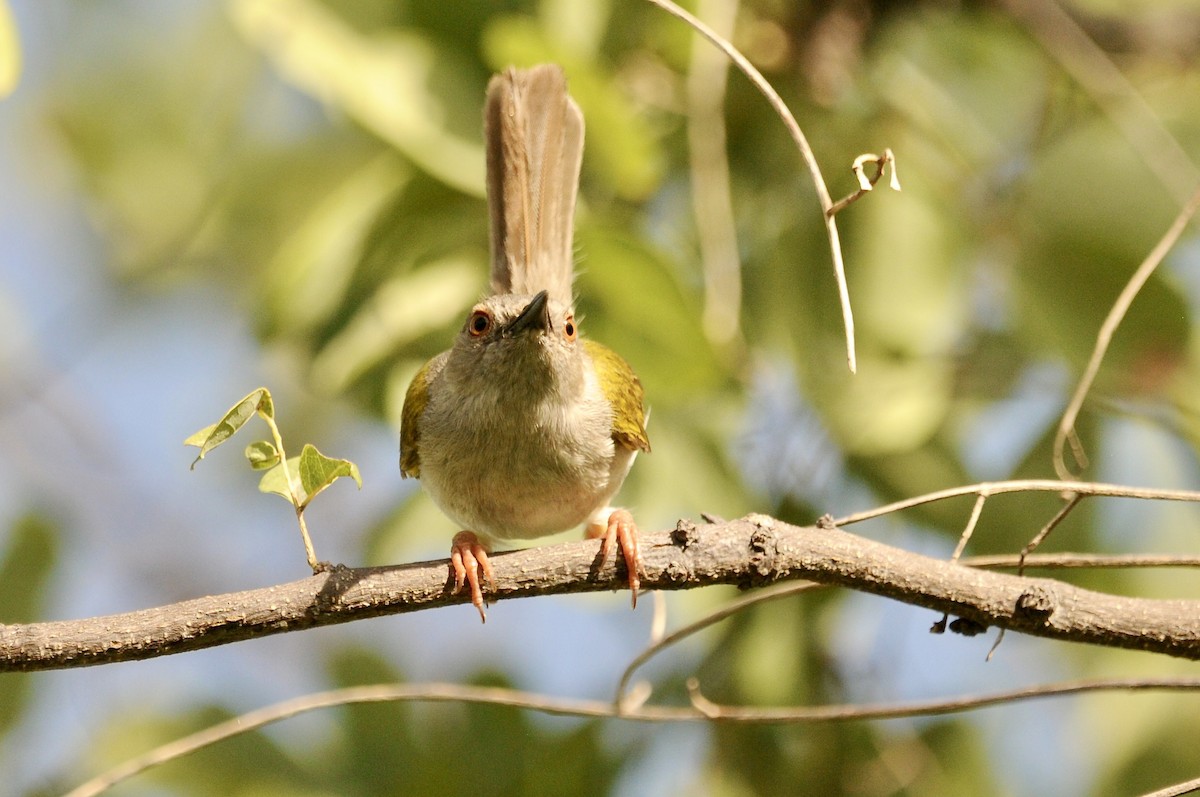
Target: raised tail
[[534, 133]]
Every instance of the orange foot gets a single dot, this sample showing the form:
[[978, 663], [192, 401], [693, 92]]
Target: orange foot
[[620, 527], [469, 557]]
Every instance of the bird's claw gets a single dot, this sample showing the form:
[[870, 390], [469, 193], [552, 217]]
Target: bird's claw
[[469, 557], [621, 529]]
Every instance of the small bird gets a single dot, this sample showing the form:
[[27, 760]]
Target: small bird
[[524, 428]]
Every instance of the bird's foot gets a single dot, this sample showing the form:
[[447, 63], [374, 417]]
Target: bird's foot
[[469, 558], [621, 528]]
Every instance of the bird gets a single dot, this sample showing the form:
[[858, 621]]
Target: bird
[[524, 427]]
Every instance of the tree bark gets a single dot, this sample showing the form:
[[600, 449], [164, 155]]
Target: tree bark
[[750, 552]]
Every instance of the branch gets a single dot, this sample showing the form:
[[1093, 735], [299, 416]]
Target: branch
[[753, 551]]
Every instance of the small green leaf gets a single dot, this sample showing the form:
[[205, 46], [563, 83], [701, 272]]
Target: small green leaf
[[273, 481], [199, 437], [266, 404], [318, 471], [258, 401], [262, 455]]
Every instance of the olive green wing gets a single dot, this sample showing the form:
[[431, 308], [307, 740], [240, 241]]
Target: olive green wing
[[416, 398], [624, 392]]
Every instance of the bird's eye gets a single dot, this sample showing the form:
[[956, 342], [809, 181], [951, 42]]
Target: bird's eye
[[479, 323], [569, 328]]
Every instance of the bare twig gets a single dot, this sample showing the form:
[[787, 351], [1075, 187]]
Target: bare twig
[[1024, 486], [866, 182], [925, 708], [1086, 561], [379, 693], [972, 522], [701, 710], [1187, 787], [810, 160], [712, 618], [1070, 501], [1066, 427]]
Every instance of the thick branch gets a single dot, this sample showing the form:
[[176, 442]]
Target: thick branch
[[753, 551]]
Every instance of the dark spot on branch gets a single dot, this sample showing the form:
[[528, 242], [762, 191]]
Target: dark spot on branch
[[684, 534], [762, 552], [1036, 603], [967, 627]]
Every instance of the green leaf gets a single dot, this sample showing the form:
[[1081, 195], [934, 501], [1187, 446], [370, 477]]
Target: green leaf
[[311, 473], [274, 481], [262, 455], [266, 405], [201, 436], [208, 438], [318, 471]]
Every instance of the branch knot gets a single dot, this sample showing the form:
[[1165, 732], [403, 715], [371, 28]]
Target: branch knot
[[763, 547], [1036, 603]]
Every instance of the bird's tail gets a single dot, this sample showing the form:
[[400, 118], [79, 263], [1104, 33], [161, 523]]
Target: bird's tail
[[534, 133]]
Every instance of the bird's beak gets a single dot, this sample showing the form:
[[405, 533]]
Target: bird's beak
[[536, 315]]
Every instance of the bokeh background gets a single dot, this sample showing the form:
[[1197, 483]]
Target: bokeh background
[[198, 198]]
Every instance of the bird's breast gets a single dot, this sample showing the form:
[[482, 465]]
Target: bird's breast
[[510, 467]]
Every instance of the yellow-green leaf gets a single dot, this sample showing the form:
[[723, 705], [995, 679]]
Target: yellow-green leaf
[[262, 454], [318, 471], [199, 437], [208, 438], [274, 481]]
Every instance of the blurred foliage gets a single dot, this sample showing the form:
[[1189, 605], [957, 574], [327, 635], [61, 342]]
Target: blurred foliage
[[378, 749], [25, 568], [10, 52], [322, 163]]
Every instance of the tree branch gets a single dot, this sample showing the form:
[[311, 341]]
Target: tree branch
[[753, 551]]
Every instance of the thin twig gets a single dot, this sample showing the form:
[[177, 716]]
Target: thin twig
[[810, 160], [924, 708], [1082, 561], [972, 521], [702, 710], [867, 182], [728, 610], [1071, 500], [379, 693], [1178, 789], [1023, 486], [1066, 426]]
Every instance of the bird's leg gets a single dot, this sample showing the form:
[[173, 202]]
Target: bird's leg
[[468, 557], [621, 528]]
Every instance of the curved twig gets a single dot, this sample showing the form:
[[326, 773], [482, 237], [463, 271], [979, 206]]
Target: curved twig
[[924, 708], [1022, 486], [701, 710], [810, 160], [1066, 426]]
